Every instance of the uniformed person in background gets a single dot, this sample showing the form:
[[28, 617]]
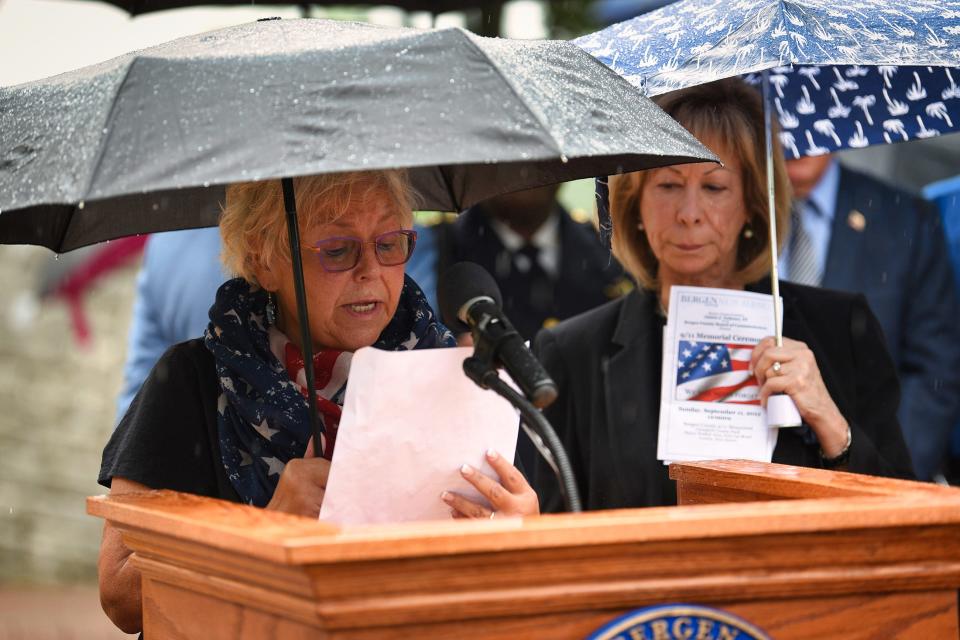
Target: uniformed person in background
[[549, 266]]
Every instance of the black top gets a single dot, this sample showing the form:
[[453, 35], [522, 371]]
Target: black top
[[607, 365], [168, 438]]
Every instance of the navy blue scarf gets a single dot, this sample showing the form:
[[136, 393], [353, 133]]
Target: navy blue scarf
[[262, 416]]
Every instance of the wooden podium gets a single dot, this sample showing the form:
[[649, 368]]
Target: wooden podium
[[800, 553]]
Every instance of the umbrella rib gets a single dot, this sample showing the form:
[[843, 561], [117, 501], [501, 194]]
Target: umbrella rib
[[781, 9], [513, 89], [691, 58], [99, 156], [106, 125]]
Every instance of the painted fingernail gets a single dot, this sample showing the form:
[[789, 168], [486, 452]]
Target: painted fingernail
[[466, 470], [491, 454]]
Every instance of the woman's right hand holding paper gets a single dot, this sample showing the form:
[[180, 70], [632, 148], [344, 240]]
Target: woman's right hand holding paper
[[511, 496], [302, 485]]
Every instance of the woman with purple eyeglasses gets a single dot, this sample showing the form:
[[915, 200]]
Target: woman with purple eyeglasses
[[226, 415]]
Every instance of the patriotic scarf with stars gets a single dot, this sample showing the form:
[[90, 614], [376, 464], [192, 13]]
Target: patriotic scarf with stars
[[262, 415]]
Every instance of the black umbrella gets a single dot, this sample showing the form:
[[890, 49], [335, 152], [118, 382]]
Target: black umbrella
[[138, 7], [146, 142]]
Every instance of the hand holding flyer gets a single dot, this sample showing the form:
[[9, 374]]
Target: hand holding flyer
[[710, 406]]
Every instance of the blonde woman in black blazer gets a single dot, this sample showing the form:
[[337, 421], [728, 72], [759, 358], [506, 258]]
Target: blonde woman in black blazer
[[706, 225]]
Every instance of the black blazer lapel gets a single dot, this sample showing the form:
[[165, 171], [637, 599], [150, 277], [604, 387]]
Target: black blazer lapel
[[632, 400], [846, 242]]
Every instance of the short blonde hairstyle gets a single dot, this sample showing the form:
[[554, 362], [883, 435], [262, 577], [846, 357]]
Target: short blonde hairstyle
[[253, 224], [732, 112]]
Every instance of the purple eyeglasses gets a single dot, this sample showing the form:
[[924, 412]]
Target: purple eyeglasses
[[342, 253]]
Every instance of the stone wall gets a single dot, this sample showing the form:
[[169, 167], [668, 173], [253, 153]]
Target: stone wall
[[56, 413]]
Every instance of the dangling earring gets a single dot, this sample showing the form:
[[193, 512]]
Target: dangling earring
[[271, 310], [747, 231]]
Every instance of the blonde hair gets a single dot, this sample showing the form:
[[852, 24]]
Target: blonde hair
[[732, 112], [253, 223]]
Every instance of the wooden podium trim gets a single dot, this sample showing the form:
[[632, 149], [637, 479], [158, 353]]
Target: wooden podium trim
[[743, 480], [818, 540], [291, 540]]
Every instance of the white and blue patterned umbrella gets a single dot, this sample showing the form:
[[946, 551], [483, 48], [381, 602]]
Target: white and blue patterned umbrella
[[843, 75]]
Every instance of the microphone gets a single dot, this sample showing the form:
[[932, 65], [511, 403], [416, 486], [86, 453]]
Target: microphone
[[470, 300]]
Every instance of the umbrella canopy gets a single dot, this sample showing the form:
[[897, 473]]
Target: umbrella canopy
[[146, 142], [865, 73], [817, 57]]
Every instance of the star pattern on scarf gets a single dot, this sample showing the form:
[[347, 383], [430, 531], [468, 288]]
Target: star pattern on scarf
[[264, 429], [275, 466], [256, 442]]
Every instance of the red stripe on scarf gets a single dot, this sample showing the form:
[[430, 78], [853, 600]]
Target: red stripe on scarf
[[323, 363]]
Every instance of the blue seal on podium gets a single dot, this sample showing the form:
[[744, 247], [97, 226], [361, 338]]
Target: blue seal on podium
[[678, 622]]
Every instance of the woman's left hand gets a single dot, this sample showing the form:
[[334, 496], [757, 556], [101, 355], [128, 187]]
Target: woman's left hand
[[798, 376], [512, 496]]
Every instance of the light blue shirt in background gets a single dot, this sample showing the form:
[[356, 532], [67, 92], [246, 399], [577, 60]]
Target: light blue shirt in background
[[422, 266], [176, 287], [818, 222]]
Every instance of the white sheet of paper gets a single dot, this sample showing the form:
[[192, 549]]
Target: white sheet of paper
[[709, 417], [410, 420]]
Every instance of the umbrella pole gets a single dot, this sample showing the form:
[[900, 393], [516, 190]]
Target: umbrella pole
[[781, 410], [772, 212], [293, 232]]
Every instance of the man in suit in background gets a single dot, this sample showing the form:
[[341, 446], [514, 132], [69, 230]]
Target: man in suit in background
[[854, 233], [946, 195]]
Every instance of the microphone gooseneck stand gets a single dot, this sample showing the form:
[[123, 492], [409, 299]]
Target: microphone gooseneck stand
[[481, 368]]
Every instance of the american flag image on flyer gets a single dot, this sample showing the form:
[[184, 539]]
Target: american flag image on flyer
[[715, 372]]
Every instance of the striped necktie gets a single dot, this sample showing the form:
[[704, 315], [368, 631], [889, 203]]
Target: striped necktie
[[803, 267]]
